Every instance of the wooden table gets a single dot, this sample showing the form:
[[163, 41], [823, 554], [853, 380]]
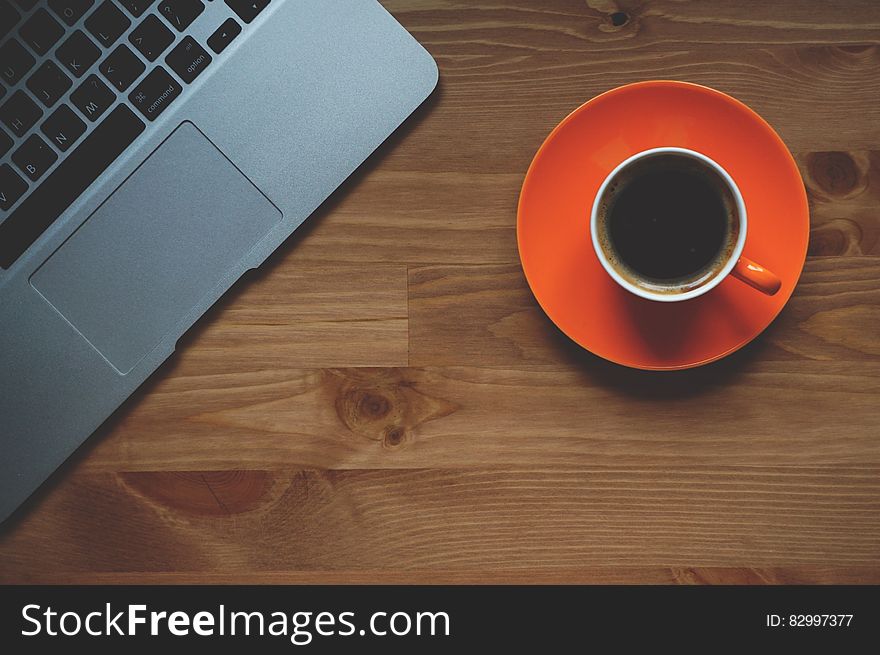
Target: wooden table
[[384, 401]]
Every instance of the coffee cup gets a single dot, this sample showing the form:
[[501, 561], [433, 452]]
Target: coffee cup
[[670, 224]]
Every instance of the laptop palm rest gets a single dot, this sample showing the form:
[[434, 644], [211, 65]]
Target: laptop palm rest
[[156, 247]]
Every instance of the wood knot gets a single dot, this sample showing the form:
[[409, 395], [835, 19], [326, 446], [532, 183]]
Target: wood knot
[[619, 18], [384, 405], [612, 19], [395, 436], [367, 411], [834, 175], [371, 405], [837, 237]]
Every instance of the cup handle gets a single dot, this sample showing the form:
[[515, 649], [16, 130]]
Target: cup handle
[[756, 276]]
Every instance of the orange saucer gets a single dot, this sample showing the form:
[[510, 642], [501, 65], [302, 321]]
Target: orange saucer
[[553, 229]]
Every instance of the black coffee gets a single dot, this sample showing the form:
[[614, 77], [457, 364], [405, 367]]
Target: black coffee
[[668, 218]]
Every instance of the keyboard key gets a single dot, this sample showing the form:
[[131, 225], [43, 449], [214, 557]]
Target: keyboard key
[[78, 53], [136, 7], [181, 13], [12, 187], [92, 98], [224, 35], [63, 127], [122, 67], [155, 92], [25, 5], [247, 10], [15, 61], [49, 83], [67, 182], [41, 31], [5, 143], [188, 59], [107, 23], [8, 18], [34, 157], [151, 37], [19, 113], [70, 11], [2, 91]]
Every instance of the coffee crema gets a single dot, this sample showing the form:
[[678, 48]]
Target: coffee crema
[[668, 223]]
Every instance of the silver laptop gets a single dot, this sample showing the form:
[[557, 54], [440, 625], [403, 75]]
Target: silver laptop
[[151, 152]]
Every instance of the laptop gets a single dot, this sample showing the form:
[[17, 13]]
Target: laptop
[[151, 152]]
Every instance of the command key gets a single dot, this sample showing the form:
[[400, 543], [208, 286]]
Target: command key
[[155, 92]]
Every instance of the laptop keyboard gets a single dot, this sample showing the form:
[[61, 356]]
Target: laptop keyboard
[[80, 80]]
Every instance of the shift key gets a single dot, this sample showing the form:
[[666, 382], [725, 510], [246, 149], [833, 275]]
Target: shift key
[[155, 92]]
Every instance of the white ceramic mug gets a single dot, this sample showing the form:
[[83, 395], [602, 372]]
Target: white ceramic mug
[[734, 263]]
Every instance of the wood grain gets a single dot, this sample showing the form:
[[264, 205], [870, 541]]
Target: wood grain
[[526, 520], [384, 401], [582, 575], [458, 313], [844, 193], [352, 315]]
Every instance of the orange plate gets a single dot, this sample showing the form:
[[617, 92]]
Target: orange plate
[[553, 229]]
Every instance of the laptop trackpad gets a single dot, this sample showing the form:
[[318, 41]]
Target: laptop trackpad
[[161, 243]]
